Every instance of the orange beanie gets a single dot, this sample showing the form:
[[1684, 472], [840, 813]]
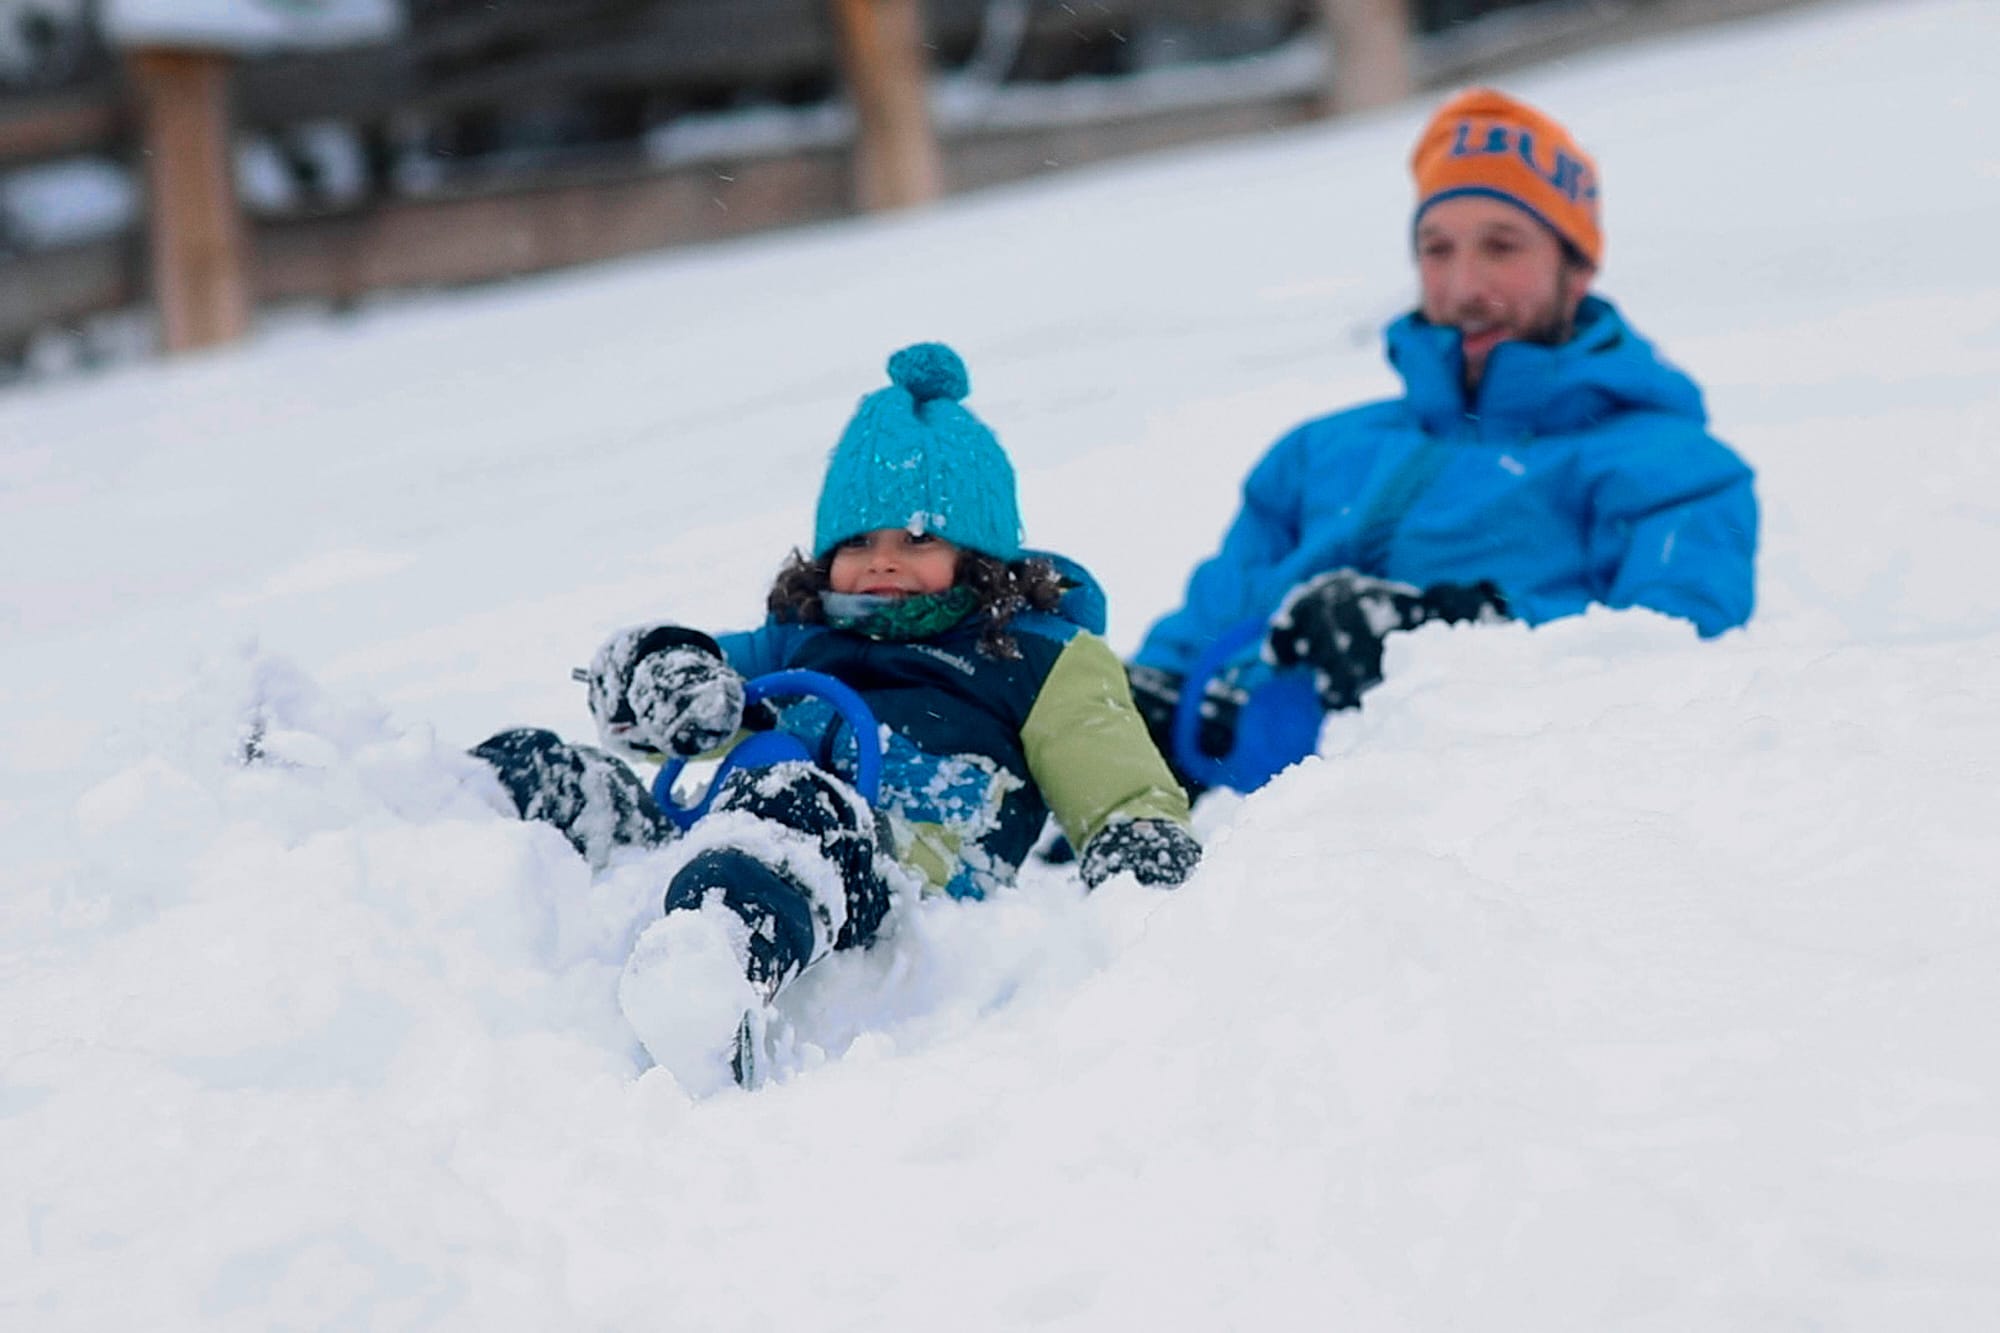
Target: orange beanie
[[1483, 142]]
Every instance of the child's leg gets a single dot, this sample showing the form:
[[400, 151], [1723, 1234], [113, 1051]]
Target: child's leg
[[595, 800], [809, 885], [777, 913], [786, 876]]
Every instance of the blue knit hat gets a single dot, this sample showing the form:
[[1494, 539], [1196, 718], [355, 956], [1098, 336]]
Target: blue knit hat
[[914, 458]]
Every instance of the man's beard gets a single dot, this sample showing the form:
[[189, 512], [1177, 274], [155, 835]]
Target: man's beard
[[1554, 329], [1552, 326]]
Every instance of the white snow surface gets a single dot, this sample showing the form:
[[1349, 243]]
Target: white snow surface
[[249, 25], [1593, 977]]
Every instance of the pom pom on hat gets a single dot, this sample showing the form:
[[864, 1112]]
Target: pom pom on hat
[[913, 457], [928, 371]]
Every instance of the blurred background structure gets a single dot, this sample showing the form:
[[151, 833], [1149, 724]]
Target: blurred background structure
[[171, 168]]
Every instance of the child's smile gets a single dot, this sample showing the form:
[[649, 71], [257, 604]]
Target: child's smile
[[893, 562]]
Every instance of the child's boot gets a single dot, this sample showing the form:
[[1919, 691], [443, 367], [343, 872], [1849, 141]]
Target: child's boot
[[787, 876], [831, 848], [688, 994]]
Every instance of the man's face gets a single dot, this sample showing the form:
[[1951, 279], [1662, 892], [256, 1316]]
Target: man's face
[[1496, 275]]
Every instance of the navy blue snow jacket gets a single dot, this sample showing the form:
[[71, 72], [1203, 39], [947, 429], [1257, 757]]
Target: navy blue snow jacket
[[979, 750]]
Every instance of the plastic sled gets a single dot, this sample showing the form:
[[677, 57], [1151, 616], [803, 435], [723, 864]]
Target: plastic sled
[[761, 749], [1277, 726]]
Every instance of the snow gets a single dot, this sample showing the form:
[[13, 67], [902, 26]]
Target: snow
[[1594, 977], [249, 25], [71, 202], [684, 993], [971, 101]]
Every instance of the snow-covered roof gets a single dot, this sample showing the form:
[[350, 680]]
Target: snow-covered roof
[[250, 26]]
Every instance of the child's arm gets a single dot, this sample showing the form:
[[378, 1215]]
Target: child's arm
[[1100, 772], [764, 649]]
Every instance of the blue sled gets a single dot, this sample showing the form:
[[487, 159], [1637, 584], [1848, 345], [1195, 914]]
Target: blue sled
[[762, 749], [1277, 726]]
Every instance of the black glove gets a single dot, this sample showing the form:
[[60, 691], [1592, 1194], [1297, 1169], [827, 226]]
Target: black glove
[[1158, 852], [1335, 624], [1456, 603], [1158, 694], [595, 800], [663, 689], [685, 701]]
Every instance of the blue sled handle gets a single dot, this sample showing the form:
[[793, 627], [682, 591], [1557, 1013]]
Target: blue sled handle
[[1277, 726], [764, 748]]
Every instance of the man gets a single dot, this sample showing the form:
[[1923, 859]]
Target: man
[[1541, 458]]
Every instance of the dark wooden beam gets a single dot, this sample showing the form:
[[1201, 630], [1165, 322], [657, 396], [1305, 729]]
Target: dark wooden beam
[[896, 159], [555, 48], [200, 258], [479, 236], [82, 119], [1371, 41], [517, 54]]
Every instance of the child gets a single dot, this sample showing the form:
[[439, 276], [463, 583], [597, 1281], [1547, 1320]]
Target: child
[[998, 708]]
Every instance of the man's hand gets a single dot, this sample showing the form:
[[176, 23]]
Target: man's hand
[[1456, 603], [1335, 624]]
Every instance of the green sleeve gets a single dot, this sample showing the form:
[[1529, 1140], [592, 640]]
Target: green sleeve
[[1089, 750]]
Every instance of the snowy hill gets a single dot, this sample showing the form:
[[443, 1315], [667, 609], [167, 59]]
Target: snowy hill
[[1592, 978]]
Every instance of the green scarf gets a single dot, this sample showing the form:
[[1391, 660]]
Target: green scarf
[[899, 619]]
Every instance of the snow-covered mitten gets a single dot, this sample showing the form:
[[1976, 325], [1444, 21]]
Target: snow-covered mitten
[[610, 677], [1457, 603], [595, 800], [685, 701], [1155, 851], [1334, 624]]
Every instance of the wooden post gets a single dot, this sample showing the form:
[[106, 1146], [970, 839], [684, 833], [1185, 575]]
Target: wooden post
[[200, 254], [1371, 52], [897, 161]]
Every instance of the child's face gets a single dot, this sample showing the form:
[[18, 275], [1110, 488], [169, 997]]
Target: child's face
[[893, 562]]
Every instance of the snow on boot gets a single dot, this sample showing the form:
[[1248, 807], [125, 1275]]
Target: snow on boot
[[781, 870], [686, 992], [595, 800], [831, 853], [779, 938], [698, 985]]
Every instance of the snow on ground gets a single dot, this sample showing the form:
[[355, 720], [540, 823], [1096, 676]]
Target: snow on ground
[[1594, 977], [249, 25]]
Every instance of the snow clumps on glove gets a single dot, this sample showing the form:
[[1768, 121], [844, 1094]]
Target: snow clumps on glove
[[685, 701], [1158, 852], [610, 676], [1335, 623]]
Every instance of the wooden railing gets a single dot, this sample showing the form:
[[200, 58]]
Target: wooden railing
[[468, 228]]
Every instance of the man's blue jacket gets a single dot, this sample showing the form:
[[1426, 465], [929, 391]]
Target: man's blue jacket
[[1582, 473]]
